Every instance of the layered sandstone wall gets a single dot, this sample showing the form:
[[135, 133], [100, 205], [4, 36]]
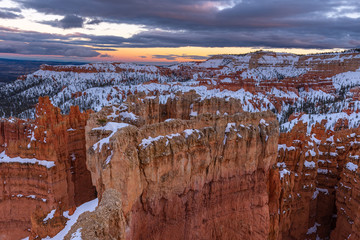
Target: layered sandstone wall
[[307, 186], [205, 177], [183, 166], [42, 167]]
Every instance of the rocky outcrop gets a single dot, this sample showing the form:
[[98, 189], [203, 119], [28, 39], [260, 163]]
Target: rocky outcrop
[[304, 187], [107, 222], [205, 178], [347, 188], [42, 167]]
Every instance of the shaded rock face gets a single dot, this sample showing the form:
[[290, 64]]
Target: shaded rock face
[[202, 178], [319, 184], [54, 177]]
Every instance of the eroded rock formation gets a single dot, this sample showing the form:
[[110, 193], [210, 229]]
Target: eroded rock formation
[[312, 178], [203, 178], [42, 167], [318, 171]]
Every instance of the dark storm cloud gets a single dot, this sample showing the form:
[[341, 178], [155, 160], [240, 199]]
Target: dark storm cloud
[[10, 13], [258, 23], [202, 23], [46, 49], [69, 21], [94, 22], [134, 11], [263, 38], [105, 55], [18, 10], [192, 14], [34, 43]]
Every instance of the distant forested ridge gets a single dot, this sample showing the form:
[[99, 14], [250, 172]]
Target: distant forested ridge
[[11, 69]]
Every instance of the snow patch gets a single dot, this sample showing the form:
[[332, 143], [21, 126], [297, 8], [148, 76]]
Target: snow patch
[[108, 159], [313, 229], [76, 235], [351, 166], [86, 207], [50, 215], [6, 159], [285, 147], [283, 173], [110, 126], [310, 164], [147, 141]]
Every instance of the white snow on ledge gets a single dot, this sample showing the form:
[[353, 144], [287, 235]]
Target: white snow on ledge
[[6, 159], [313, 229], [283, 173], [50, 215], [285, 147], [319, 190], [150, 140], [86, 207], [147, 141], [351, 166], [110, 126], [309, 164]]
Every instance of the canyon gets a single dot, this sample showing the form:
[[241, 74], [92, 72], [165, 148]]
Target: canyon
[[256, 146]]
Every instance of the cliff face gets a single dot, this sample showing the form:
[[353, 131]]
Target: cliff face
[[203, 178], [42, 167], [179, 177], [319, 183]]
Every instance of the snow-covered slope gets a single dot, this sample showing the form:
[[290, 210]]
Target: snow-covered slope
[[307, 87]]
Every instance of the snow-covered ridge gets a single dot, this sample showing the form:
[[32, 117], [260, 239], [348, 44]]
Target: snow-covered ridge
[[275, 84], [151, 140]]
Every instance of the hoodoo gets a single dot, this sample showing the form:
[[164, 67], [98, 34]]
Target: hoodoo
[[203, 177]]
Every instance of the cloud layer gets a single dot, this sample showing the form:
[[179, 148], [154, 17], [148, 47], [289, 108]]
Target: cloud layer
[[10, 13], [69, 21], [34, 43], [319, 24]]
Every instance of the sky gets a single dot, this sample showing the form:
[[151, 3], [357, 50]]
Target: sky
[[166, 31]]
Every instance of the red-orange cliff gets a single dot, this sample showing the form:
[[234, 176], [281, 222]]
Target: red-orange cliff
[[57, 179]]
